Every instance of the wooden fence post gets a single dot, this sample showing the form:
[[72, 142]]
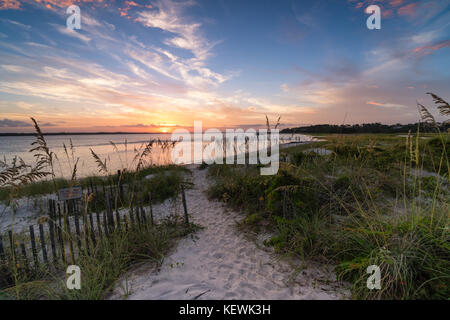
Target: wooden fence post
[[109, 212], [51, 228], [91, 221], [105, 224], [117, 219], [33, 247], [100, 235], [69, 233], [12, 246], [24, 256], [144, 218], [44, 248], [138, 218], [151, 207], [131, 211], [77, 230], [119, 182], [86, 231], [183, 198], [2, 252]]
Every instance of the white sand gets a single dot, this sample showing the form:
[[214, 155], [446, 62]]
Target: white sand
[[219, 262]]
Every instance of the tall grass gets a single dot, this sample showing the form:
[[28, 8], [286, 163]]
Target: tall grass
[[375, 200], [104, 261]]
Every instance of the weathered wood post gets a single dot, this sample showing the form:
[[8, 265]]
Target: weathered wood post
[[110, 217], [24, 257], [99, 227], [119, 174], [151, 207], [92, 231], [51, 228], [69, 234], [77, 230], [183, 198], [33, 247], [2, 252], [12, 246], [44, 248]]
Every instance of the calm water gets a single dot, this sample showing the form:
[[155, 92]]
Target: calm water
[[116, 159]]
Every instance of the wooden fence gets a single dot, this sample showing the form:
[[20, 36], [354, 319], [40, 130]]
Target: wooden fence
[[71, 228]]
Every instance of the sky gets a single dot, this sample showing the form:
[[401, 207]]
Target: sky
[[154, 66]]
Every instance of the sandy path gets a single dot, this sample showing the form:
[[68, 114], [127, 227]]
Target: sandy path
[[220, 263]]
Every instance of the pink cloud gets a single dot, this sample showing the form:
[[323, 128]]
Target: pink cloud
[[408, 10], [49, 4], [9, 4], [396, 3], [375, 103], [128, 5], [428, 49]]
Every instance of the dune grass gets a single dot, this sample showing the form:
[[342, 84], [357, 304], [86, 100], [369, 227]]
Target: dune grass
[[104, 261], [111, 258], [371, 201]]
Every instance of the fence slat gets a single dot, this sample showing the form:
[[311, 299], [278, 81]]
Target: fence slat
[[24, 257], [44, 248], [59, 216], [12, 246], [131, 212], [138, 214], [2, 252], [92, 231], [99, 227], [77, 229], [144, 218], [117, 219], [51, 228], [109, 212], [69, 236], [33, 247], [120, 186], [183, 197], [62, 250], [105, 224], [151, 207], [86, 232]]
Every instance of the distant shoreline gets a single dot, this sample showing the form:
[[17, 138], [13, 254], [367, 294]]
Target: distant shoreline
[[25, 134]]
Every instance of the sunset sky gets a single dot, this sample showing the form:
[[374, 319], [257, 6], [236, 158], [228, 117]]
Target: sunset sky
[[153, 66]]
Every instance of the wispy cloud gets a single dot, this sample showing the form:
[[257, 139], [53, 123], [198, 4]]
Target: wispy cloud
[[386, 105]]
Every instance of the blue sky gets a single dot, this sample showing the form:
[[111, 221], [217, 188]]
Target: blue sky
[[157, 65]]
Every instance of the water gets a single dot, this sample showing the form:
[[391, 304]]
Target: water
[[117, 159]]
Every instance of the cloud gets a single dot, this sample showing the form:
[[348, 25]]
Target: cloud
[[7, 123], [9, 4], [141, 125], [72, 33], [408, 10], [18, 24], [168, 16], [386, 105], [428, 49]]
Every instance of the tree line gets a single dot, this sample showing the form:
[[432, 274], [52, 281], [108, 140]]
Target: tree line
[[368, 128]]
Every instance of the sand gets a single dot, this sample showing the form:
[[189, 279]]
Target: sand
[[220, 262]]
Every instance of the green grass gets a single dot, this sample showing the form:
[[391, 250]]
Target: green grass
[[366, 203], [128, 177], [111, 258]]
